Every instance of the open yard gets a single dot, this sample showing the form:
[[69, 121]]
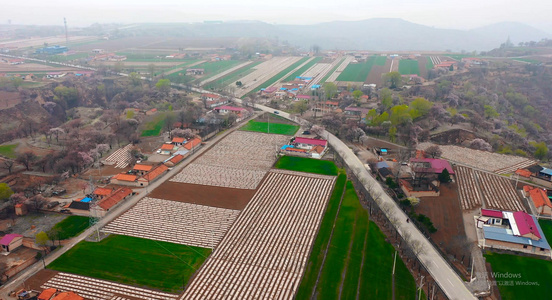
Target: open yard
[[519, 277], [303, 164], [71, 227], [264, 254], [8, 150], [358, 262], [134, 261], [265, 127], [408, 67], [357, 72]]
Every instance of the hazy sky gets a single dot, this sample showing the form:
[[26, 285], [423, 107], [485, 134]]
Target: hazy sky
[[464, 14]]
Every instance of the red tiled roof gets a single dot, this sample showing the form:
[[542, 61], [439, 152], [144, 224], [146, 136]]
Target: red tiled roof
[[310, 141], [192, 143], [176, 159], [125, 177], [102, 191], [47, 294], [318, 149], [332, 103], [178, 140], [68, 296], [214, 96], [140, 167], [8, 238], [524, 173], [526, 224], [155, 172], [167, 147], [491, 213], [538, 196], [115, 198], [230, 108]]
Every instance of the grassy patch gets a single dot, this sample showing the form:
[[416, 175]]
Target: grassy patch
[[214, 67], [276, 128], [546, 226], [303, 69], [331, 72], [277, 76], [154, 127], [531, 270], [357, 72], [309, 165], [407, 67], [134, 261], [8, 150], [381, 60], [429, 64], [71, 226]]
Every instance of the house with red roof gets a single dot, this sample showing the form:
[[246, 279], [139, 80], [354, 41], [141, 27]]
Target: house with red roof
[[11, 241], [514, 231], [141, 169], [540, 199], [47, 294], [67, 296], [167, 148], [315, 148], [114, 199], [174, 160], [228, 109], [178, 141], [430, 165], [124, 179], [153, 175], [192, 144], [100, 193]]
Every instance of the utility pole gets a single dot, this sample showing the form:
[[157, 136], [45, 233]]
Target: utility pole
[[420, 288]]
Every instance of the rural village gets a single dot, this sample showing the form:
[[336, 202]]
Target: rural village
[[155, 168]]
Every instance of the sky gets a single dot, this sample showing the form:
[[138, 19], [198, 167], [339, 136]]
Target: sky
[[451, 14]]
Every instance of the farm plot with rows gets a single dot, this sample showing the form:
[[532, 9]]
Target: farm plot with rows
[[478, 187], [239, 161], [327, 71], [303, 69], [340, 68], [468, 189], [263, 73], [408, 67], [489, 161], [264, 254], [174, 222]]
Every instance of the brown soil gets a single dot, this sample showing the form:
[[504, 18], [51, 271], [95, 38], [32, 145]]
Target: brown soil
[[446, 215], [39, 278], [203, 194], [376, 72], [422, 60]]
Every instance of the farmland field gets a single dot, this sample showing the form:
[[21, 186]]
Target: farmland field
[[332, 70], [281, 74], [154, 127], [8, 150], [357, 72], [309, 165], [265, 252], [546, 226], [265, 72], [534, 274], [265, 127], [134, 261], [356, 246], [214, 67], [429, 63], [302, 70], [381, 60], [71, 226], [408, 67], [232, 77]]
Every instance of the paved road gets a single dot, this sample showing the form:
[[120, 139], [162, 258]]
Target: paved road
[[18, 280], [439, 269]]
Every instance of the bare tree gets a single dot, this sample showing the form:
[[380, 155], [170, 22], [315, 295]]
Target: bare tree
[[8, 165], [36, 202], [317, 129], [26, 159], [433, 151]]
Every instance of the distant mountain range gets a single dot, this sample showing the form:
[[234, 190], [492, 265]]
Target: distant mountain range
[[380, 34]]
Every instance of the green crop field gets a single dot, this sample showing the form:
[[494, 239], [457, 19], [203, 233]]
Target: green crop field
[[530, 277], [309, 165], [129, 260], [429, 64], [303, 69], [232, 77], [71, 226], [321, 82], [214, 67], [381, 60], [359, 261], [277, 76], [154, 127], [407, 67], [546, 226], [276, 128], [357, 72], [8, 150]]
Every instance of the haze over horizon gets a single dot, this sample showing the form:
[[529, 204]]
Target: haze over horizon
[[446, 14]]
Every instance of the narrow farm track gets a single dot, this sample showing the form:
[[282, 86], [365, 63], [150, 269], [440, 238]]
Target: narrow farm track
[[265, 252]]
